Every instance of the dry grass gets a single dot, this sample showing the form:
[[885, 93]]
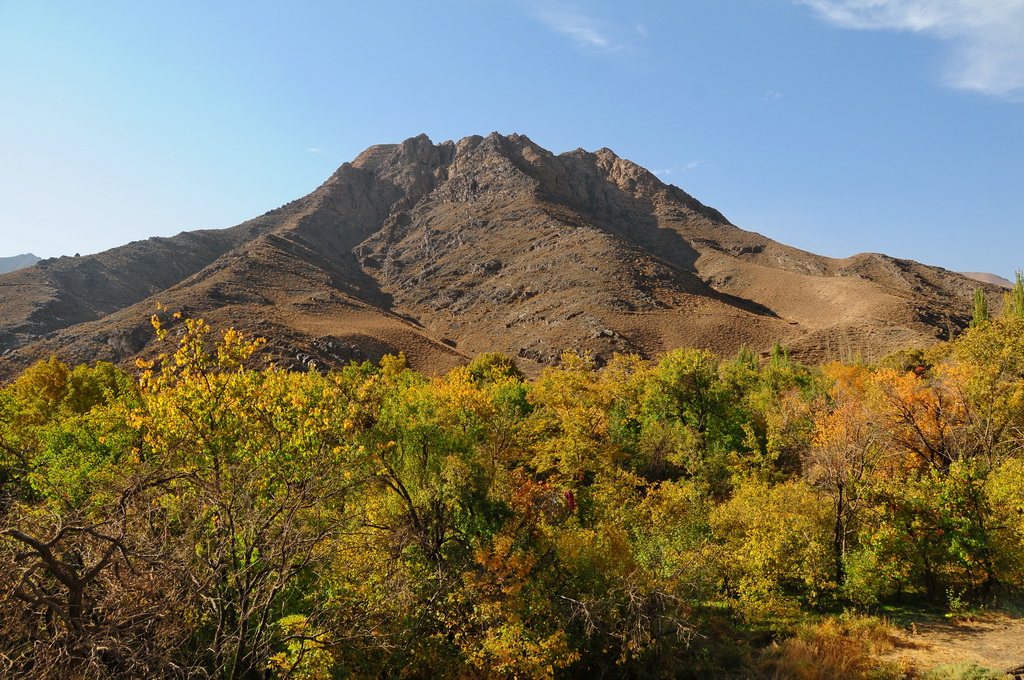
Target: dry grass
[[834, 648]]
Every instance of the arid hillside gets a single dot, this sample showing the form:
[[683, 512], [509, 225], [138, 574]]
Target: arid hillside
[[447, 250]]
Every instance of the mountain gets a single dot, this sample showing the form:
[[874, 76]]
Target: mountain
[[447, 250], [985, 277], [9, 264]]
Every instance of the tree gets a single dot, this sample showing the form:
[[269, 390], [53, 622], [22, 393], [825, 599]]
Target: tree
[[980, 314], [688, 417], [183, 530], [845, 451], [252, 513], [775, 548], [985, 376], [492, 366], [92, 593], [1013, 300]]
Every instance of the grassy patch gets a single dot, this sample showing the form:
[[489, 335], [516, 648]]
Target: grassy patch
[[841, 647], [964, 670]]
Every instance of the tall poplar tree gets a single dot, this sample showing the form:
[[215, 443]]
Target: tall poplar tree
[[1013, 305], [980, 308]]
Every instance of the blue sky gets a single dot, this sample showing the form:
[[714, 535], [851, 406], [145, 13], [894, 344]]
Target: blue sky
[[838, 126]]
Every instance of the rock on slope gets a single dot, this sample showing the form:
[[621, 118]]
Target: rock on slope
[[443, 251]]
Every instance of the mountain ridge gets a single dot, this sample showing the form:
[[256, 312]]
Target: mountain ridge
[[15, 262], [485, 244]]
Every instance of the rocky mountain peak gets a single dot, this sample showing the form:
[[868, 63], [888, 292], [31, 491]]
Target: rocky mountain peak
[[488, 243]]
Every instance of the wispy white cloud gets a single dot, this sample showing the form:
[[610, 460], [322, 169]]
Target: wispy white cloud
[[692, 165], [986, 37], [316, 149], [771, 95], [570, 21], [587, 29]]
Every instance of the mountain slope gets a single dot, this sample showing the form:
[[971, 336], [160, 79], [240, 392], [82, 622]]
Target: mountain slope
[[494, 243], [10, 264], [994, 279]]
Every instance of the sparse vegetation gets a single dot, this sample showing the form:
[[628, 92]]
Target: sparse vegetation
[[964, 670]]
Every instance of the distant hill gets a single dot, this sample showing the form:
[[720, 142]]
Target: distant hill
[[446, 250], [9, 264], [993, 279]]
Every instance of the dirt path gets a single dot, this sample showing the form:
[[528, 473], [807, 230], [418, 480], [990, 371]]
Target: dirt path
[[995, 640]]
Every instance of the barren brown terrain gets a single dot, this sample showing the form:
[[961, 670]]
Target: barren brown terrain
[[446, 250], [994, 641]]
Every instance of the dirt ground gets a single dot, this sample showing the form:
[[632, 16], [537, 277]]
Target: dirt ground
[[993, 640]]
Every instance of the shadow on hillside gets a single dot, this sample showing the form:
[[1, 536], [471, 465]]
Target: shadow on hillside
[[634, 220]]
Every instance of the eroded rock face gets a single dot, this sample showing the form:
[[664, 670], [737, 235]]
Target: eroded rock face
[[486, 244]]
